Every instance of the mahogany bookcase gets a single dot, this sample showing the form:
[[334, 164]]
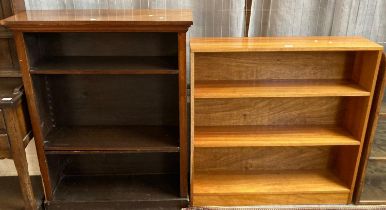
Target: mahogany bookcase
[[107, 99]]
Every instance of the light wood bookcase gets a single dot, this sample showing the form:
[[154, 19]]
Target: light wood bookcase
[[279, 120]]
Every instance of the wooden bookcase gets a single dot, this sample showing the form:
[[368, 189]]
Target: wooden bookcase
[[371, 187], [107, 97], [279, 120]]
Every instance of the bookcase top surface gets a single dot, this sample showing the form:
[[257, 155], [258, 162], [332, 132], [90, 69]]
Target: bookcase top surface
[[253, 44], [100, 20]]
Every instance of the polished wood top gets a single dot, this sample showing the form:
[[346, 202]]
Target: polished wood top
[[282, 44], [100, 20]]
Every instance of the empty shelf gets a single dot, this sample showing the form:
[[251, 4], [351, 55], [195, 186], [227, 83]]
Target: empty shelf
[[279, 187], [118, 138], [107, 65], [277, 88], [244, 136], [117, 188]]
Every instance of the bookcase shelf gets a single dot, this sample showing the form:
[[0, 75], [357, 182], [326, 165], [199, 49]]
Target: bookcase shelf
[[107, 65], [276, 125], [260, 136], [257, 188], [113, 138], [114, 187], [107, 98], [278, 88]]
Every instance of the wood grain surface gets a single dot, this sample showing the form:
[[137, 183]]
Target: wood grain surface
[[273, 65], [260, 136], [329, 43], [249, 159], [114, 138], [101, 20], [271, 105], [277, 88], [269, 111], [280, 187]]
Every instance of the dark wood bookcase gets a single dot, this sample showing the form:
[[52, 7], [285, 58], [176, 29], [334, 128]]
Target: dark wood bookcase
[[107, 97]]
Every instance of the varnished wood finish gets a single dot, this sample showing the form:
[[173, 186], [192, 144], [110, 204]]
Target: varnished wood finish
[[258, 136], [101, 96], [140, 163], [280, 88], [9, 66], [258, 44], [370, 175], [15, 131], [287, 66], [268, 112], [15, 134], [107, 65], [101, 20], [127, 100], [267, 199], [183, 122], [33, 110], [2, 122], [281, 187], [103, 138], [106, 189], [249, 159], [4, 146]]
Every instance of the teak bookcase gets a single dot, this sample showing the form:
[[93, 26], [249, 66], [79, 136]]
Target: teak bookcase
[[107, 97], [372, 171], [279, 120]]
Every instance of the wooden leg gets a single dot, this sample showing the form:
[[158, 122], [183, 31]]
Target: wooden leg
[[19, 156]]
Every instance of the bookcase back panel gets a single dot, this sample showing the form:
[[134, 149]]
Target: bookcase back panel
[[103, 44], [273, 65], [269, 111], [261, 159], [99, 164], [42, 103], [113, 100]]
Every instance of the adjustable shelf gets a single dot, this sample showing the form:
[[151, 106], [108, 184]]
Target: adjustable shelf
[[277, 88], [259, 136], [108, 105], [112, 138], [279, 120], [107, 65]]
